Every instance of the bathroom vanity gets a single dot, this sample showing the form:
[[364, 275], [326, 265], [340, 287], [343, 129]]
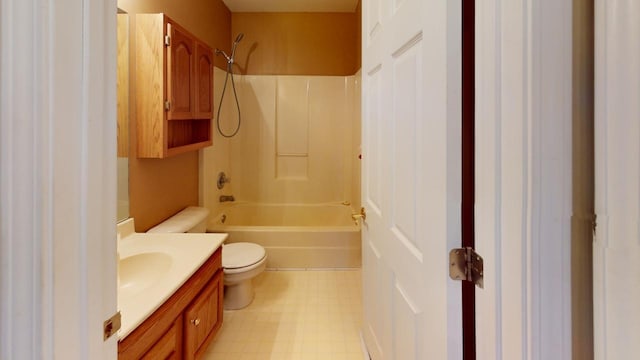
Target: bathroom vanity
[[170, 294]]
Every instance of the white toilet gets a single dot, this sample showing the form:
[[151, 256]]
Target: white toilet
[[241, 261]]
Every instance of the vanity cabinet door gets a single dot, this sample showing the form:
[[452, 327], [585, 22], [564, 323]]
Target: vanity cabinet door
[[203, 318], [170, 344]]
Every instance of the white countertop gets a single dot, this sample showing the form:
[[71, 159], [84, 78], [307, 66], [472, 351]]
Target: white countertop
[[153, 266]]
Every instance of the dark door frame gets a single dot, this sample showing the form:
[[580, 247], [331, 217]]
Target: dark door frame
[[468, 171]]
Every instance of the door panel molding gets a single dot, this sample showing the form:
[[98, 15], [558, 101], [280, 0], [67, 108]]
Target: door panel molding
[[411, 142], [58, 185], [616, 270]]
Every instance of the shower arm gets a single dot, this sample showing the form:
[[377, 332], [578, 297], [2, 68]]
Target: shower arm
[[229, 59]]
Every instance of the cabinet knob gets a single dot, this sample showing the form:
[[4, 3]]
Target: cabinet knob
[[195, 322]]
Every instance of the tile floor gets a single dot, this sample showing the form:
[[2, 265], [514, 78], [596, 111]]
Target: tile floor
[[295, 315]]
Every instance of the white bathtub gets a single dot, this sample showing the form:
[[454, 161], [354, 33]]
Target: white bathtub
[[294, 236]]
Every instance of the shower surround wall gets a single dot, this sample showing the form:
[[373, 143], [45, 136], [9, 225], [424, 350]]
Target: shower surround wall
[[298, 142]]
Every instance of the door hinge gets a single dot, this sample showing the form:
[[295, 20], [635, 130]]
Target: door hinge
[[111, 325], [167, 40], [594, 223], [466, 265], [167, 105]]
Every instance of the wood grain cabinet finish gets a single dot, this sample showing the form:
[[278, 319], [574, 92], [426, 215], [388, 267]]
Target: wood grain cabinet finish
[[186, 323], [203, 318], [181, 89], [204, 81], [174, 88], [170, 344]]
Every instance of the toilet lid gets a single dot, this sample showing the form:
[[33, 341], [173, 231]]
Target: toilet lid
[[238, 255]]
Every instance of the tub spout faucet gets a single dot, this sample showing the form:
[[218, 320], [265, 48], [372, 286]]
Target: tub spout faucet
[[225, 198], [362, 215]]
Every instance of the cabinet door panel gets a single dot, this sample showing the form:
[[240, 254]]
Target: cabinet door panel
[[204, 82], [180, 74], [203, 317]]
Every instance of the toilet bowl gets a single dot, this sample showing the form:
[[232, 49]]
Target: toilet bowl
[[241, 262]]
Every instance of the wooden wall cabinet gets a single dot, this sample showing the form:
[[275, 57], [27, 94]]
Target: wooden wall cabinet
[[186, 323], [174, 88]]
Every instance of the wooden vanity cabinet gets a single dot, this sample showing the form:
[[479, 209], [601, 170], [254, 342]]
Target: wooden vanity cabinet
[[186, 323], [202, 318], [169, 346], [174, 88]]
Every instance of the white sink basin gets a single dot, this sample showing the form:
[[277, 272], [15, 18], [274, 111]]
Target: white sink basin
[[141, 271], [153, 266]]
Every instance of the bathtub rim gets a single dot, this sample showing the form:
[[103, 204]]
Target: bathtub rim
[[214, 224], [284, 228]]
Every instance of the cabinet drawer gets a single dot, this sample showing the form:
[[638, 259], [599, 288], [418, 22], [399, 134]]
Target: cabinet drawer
[[169, 345], [203, 317]]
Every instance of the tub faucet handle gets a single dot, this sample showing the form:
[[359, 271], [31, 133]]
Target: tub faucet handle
[[222, 179]]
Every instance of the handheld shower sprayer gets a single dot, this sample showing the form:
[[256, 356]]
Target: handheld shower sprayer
[[230, 60], [235, 44]]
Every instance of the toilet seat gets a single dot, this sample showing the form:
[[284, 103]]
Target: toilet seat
[[242, 256]]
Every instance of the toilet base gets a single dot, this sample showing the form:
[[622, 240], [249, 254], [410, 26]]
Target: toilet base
[[239, 295]]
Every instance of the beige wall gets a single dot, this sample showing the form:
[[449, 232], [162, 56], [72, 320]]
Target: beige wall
[[297, 43], [160, 188]]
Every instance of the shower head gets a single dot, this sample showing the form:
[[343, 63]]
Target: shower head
[[230, 58], [233, 48]]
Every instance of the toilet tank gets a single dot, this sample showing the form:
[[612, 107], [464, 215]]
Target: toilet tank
[[192, 220]]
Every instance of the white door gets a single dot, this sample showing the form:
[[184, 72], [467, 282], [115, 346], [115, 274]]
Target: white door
[[411, 178], [616, 271], [523, 178], [58, 165]]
